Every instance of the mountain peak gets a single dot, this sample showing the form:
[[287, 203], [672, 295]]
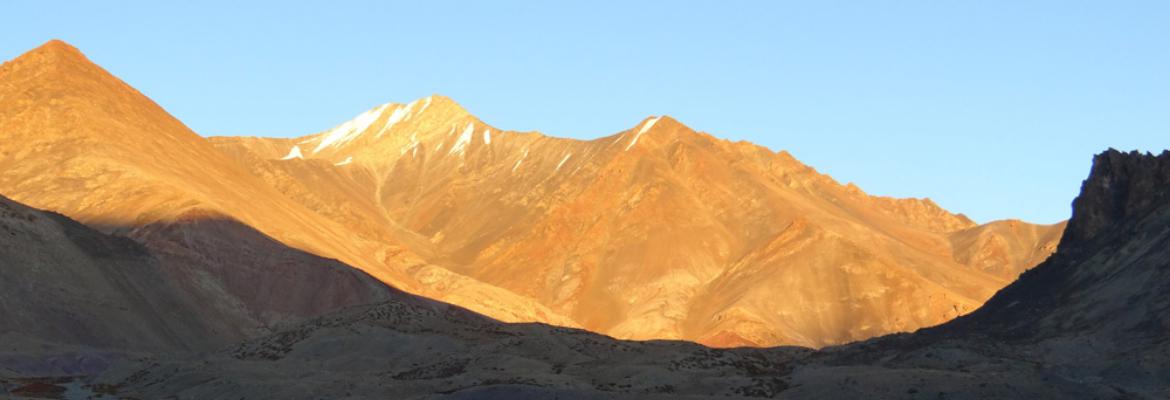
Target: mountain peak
[[656, 130], [397, 125], [57, 46], [50, 53], [56, 77], [60, 70]]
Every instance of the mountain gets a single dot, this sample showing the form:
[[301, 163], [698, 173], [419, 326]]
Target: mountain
[[1090, 322], [76, 140], [164, 264], [656, 232]]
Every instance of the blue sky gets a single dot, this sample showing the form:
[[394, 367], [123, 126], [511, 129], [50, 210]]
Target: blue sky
[[991, 108]]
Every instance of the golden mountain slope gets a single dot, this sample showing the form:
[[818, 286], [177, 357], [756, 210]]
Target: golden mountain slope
[[76, 140], [655, 232]]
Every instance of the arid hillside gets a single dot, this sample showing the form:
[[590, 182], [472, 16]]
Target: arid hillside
[[76, 140], [657, 232]]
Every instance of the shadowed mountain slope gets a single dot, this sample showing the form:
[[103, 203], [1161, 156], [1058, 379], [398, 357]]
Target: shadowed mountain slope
[[67, 284]]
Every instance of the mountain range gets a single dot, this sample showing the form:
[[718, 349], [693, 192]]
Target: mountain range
[[657, 232], [416, 249]]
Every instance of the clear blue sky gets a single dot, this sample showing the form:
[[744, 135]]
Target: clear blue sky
[[991, 108]]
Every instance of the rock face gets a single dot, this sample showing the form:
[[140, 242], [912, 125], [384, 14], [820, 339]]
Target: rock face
[[1122, 188], [1110, 274]]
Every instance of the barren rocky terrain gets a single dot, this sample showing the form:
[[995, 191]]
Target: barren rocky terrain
[[419, 252]]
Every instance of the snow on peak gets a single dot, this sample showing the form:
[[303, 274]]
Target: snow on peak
[[295, 152], [562, 163], [465, 138], [487, 136], [346, 161], [521, 160], [426, 103], [645, 127], [400, 113], [351, 129]]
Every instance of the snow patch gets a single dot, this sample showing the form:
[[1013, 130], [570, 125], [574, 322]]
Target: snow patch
[[411, 107], [295, 152], [346, 161], [521, 160], [464, 139], [562, 163], [400, 113], [413, 144], [645, 127], [351, 129], [487, 136]]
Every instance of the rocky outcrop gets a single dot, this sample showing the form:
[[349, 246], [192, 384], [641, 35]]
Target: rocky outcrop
[[1116, 249], [1122, 189]]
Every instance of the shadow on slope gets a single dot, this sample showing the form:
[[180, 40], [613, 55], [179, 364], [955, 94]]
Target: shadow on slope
[[196, 283]]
